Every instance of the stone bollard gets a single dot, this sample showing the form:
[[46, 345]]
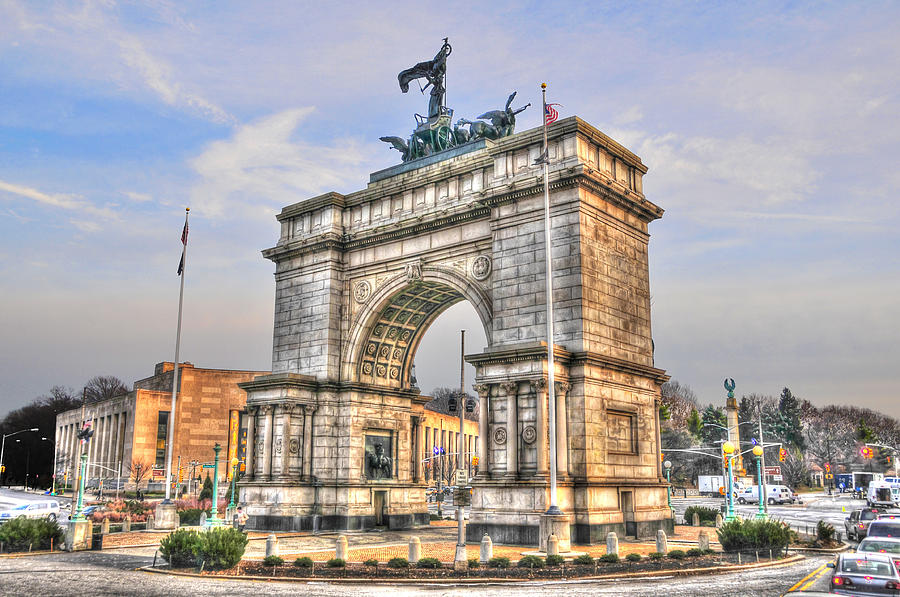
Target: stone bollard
[[415, 550], [340, 548], [104, 527], [612, 543], [487, 549], [718, 521], [126, 525], [695, 521], [552, 545], [703, 540], [271, 545], [662, 542], [150, 522]]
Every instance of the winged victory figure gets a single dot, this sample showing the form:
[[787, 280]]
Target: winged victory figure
[[504, 120]]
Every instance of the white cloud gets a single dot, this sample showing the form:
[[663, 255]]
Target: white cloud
[[63, 201], [138, 197], [264, 166]]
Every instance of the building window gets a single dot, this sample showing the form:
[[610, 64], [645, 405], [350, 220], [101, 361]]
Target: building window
[[162, 433], [621, 432]]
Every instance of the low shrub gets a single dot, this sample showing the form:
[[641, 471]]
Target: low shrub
[[530, 562], [583, 560], [474, 563], [750, 534], [498, 562], [336, 563], [824, 533], [656, 555], [273, 561], [303, 562], [398, 563], [221, 548], [705, 514], [180, 548], [708, 551], [609, 558], [677, 554], [694, 552], [371, 562], [190, 517], [633, 557], [434, 517], [22, 534], [428, 563], [556, 560]]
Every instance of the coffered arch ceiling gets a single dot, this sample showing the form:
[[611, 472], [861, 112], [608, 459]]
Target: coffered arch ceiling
[[390, 346]]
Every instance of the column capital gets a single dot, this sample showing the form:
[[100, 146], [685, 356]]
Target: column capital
[[483, 389], [538, 385], [509, 386], [563, 387]]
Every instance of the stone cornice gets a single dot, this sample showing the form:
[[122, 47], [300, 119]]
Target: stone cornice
[[312, 384], [531, 351], [621, 365]]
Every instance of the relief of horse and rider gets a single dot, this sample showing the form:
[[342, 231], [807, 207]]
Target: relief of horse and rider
[[435, 132]]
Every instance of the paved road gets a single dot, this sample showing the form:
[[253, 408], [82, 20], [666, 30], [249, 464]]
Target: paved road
[[113, 573]]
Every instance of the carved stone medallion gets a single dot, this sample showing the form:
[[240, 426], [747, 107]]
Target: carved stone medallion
[[500, 436], [278, 446], [362, 291], [413, 271], [481, 267], [295, 445], [529, 434]]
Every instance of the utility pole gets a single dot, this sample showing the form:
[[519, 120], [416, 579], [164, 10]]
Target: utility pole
[[460, 561]]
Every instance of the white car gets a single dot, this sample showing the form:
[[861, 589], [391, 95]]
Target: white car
[[48, 510], [775, 494], [885, 545]]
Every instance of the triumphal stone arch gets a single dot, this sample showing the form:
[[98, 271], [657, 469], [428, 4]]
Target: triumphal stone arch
[[335, 434]]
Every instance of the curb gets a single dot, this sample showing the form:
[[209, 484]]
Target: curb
[[487, 581]]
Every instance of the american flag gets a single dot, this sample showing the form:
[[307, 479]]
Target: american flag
[[184, 235], [550, 115]]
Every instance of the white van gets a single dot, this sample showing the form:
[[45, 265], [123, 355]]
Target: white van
[[775, 494], [48, 510], [880, 493]]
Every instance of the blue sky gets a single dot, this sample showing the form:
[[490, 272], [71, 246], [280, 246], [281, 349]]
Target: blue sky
[[770, 130]]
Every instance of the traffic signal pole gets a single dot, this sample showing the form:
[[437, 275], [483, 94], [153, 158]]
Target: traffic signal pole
[[762, 462]]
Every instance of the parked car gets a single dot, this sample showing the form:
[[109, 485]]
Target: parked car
[[857, 524], [775, 494], [885, 545], [46, 509], [884, 527], [864, 574]]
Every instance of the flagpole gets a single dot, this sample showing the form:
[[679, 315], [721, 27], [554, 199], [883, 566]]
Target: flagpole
[[171, 435], [551, 385]]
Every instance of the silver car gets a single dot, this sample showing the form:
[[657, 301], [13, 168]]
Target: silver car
[[47, 509], [864, 574]]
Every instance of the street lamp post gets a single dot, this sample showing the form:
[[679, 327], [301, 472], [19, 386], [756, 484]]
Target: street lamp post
[[53, 476], [234, 465], [758, 452], [668, 466], [3, 448], [214, 512], [79, 504], [728, 450]]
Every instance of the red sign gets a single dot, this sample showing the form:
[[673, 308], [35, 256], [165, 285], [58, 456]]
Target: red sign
[[772, 470]]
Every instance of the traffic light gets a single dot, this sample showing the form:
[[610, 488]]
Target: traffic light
[[782, 454], [866, 452], [474, 460], [827, 467], [470, 405], [452, 404]]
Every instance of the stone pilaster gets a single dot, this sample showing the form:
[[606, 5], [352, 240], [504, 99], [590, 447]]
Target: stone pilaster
[[268, 412], [539, 387], [562, 429], [307, 463], [250, 455], [511, 389]]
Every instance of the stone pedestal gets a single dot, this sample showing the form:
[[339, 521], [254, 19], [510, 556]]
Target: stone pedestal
[[560, 526], [166, 516], [78, 535]]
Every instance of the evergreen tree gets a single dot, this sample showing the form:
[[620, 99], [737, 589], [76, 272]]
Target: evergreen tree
[[207, 492], [664, 413], [694, 424], [714, 425], [786, 423]]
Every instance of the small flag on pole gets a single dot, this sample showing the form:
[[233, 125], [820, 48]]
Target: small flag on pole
[[550, 115], [184, 237]]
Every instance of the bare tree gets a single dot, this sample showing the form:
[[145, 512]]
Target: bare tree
[[139, 470], [680, 401], [103, 387]]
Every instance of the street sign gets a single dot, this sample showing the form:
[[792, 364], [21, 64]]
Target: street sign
[[462, 497], [459, 477], [777, 478], [209, 466], [772, 470]]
